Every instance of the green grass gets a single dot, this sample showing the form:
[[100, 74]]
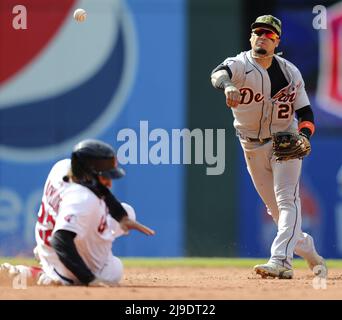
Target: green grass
[[186, 262], [211, 262], [19, 260]]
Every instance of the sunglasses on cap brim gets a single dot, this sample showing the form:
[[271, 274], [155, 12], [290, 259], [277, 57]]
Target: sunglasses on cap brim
[[268, 33]]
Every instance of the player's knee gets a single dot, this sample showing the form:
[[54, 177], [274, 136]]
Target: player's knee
[[286, 192], [113, 273], [292, 229], [118, 267], [286, 199]]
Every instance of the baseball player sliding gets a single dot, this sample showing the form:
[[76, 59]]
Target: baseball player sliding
[[78, 220], [265, 93]]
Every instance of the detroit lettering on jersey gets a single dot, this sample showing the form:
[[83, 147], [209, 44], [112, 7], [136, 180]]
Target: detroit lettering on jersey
[[269, 97], [278, 83], [247, 96]]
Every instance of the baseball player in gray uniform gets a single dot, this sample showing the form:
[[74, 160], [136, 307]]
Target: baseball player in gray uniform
[[266, 95]]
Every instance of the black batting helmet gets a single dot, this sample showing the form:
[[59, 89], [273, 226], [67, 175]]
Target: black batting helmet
[[94, 157]]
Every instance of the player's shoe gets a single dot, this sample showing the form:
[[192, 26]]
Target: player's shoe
[[30, 273], [12, 270], [273, 270]]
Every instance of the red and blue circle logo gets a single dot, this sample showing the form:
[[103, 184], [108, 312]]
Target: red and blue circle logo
[[62, 81]]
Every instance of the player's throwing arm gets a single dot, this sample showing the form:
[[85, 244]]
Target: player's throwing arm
[[220, 79]]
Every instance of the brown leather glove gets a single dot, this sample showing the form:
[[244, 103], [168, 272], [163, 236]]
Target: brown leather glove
[[289, 145]]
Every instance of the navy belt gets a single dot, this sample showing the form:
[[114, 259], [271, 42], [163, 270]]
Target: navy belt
[[252, 139], [257, 140]]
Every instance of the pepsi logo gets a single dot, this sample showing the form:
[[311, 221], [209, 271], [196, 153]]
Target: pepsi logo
[[61, 81]]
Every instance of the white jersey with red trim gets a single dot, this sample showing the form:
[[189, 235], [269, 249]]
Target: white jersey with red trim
[[73, 207]]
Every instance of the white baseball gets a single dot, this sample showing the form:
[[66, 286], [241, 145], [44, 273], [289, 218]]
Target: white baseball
[[80, 15]]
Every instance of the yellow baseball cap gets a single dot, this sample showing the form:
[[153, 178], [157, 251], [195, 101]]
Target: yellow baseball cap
[[268, 21]]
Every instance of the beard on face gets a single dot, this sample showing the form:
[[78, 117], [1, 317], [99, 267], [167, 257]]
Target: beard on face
[[260, 51]]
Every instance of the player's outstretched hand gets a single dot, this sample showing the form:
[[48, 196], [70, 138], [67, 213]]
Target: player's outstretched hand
[[128, 224], [232, 96]]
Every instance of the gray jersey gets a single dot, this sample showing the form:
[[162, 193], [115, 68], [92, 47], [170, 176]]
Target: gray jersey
[[259, 114]]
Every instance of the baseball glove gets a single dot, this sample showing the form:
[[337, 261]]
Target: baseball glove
[[289, 145]]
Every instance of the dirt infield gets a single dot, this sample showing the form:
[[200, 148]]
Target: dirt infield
[[190, 283]]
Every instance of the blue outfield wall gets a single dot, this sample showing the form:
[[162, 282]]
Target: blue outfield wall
[[137, 74]]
